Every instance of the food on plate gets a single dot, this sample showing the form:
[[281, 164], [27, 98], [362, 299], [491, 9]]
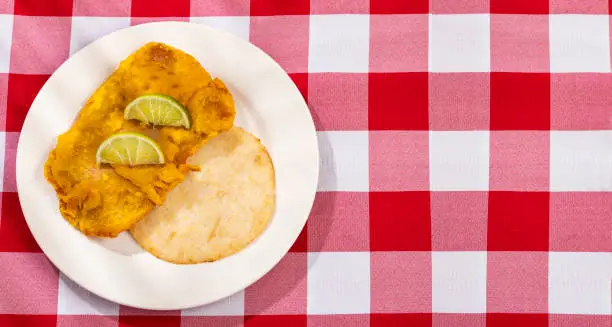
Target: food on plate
[[104, 200], [218, 210]]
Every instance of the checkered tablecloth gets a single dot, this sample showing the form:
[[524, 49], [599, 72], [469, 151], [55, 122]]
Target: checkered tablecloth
[[466, 153]]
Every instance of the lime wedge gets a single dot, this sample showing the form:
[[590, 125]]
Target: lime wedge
[[158, 109], [129, 149]]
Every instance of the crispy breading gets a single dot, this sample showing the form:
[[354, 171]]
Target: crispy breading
[[104, 201]]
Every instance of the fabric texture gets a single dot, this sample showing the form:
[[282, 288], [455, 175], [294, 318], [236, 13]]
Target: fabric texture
[[466, 172]]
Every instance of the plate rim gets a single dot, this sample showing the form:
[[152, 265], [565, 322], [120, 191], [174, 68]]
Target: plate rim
[[235, 288]]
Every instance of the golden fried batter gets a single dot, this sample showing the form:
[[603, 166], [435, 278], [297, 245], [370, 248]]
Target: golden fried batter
[[104, 201]]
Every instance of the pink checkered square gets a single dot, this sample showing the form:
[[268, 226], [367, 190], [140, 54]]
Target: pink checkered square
[[40, 44], [339, 221], [220, 8], [399, 161], [352, 320], [221, 321], [459, 101], [459, 320], [321, 7], [574, 320], [282, 290], [517, 282], [580, 221], [143, 20], [519, 43], [459, 6], [284, 38], [7, 6], [580, 101], [10, 162], [29, 284], [459, 221], [579, 7], [87, 321], [398, 43], [519, 161], [401, 282], [110, 8], [3, 100], [338, 101]]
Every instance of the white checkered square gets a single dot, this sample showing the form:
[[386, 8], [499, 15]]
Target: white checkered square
[[75, 300], [459, 282], [339, 43], [459, 160], [230, 306], [579, 282], [579, 43], [87, 29], [344, 161], [6, 36], [238, 25], [338, 282], [581, 160], [459, 43]]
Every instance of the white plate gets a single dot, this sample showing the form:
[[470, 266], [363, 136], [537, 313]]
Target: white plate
[[268, 104]]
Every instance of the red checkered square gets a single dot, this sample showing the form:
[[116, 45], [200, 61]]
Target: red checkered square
[[526, 291], [458, 320], [43, 8], [275, 321], [459, 6], [320, 7], [143, 20], [35, 36], [518, 221], [398, 101], [399, 161], [9, 182], [149, 321], [7, 7], [108, 8], [38, 320], [580, 101], [14, 233], [274, 8], [400, 282], [220, 8], [580, 221], [29, 285], [400, 320], [400, 221], [4, 80], [520, 101], [459, 221], [573, 320], [459, 101], [352, 320], [284, 38], [520, 161], [339, 221], [388, 54], [338, 101], [519, 43], [399, 7], [301, 81], [516, 319], [86, 321], [160, 8], [579, 7], [221, 321], [22, 91], [281, 291], [519, 7], [301, 243]]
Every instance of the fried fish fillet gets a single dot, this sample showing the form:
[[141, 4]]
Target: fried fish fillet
[[104, 201]]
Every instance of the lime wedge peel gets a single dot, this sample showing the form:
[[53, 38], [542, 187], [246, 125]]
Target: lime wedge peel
[[159, 110], [129, 148]]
